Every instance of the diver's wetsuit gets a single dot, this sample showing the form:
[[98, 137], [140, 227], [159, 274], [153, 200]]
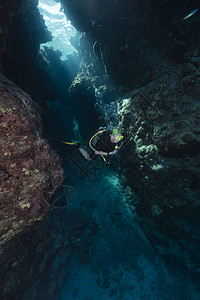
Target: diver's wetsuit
[[101, 142]]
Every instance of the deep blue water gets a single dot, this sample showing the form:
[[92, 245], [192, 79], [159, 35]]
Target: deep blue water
[[121, 263]]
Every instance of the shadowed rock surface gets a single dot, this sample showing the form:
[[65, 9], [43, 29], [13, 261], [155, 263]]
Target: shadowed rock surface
[[30, 170], [138, 53], [161, 163], [127, 37], [149, 52]]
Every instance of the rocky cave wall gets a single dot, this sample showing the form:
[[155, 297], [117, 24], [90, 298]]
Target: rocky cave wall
[[153, 57], [43, 75], [36, 238], [30, 171], [23, 31], [124, 35]]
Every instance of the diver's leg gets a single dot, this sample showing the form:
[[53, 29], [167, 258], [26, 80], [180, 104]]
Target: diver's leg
[[84, 153], [93, 155]]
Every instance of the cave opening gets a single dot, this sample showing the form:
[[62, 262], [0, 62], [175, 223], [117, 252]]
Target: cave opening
[[82, 229], [59, 26]]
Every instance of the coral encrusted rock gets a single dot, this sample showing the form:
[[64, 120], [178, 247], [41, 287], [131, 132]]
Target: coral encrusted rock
[[162, 160], [30, 171]]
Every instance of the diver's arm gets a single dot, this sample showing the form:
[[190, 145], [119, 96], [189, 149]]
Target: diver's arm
[[115, 151], [120, 145], [100, 152], [112, 153]]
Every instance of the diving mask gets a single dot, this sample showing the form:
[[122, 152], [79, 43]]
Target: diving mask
[[116, 133], [119, 138]]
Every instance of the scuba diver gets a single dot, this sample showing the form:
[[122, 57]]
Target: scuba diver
[[104, 142]]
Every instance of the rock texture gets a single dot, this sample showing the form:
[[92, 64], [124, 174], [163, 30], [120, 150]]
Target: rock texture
[[82, 102], [152, 55], [162, 159], [125, 35], [30, 170], [35, 264], [22, 31]]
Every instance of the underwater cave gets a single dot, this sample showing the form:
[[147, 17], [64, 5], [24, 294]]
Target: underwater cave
[[99, 150]]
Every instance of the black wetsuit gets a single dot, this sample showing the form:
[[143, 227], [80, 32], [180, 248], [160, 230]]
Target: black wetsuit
[[101, 142]]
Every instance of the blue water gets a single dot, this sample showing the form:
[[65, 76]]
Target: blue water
[[119, 262], [61, 28]]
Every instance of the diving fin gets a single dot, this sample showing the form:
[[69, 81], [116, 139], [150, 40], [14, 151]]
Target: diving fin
[[72, 143]]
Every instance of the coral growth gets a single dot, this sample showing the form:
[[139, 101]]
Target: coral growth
[[162, 161], [30, 171]]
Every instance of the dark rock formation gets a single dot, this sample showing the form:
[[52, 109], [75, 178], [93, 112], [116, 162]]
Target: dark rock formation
[[23, 32], [40, 73], [33, 246], [162, 159], [82, 101], [34, 265], [150, 52], [91, 84], [125, 35], [30, 170]]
